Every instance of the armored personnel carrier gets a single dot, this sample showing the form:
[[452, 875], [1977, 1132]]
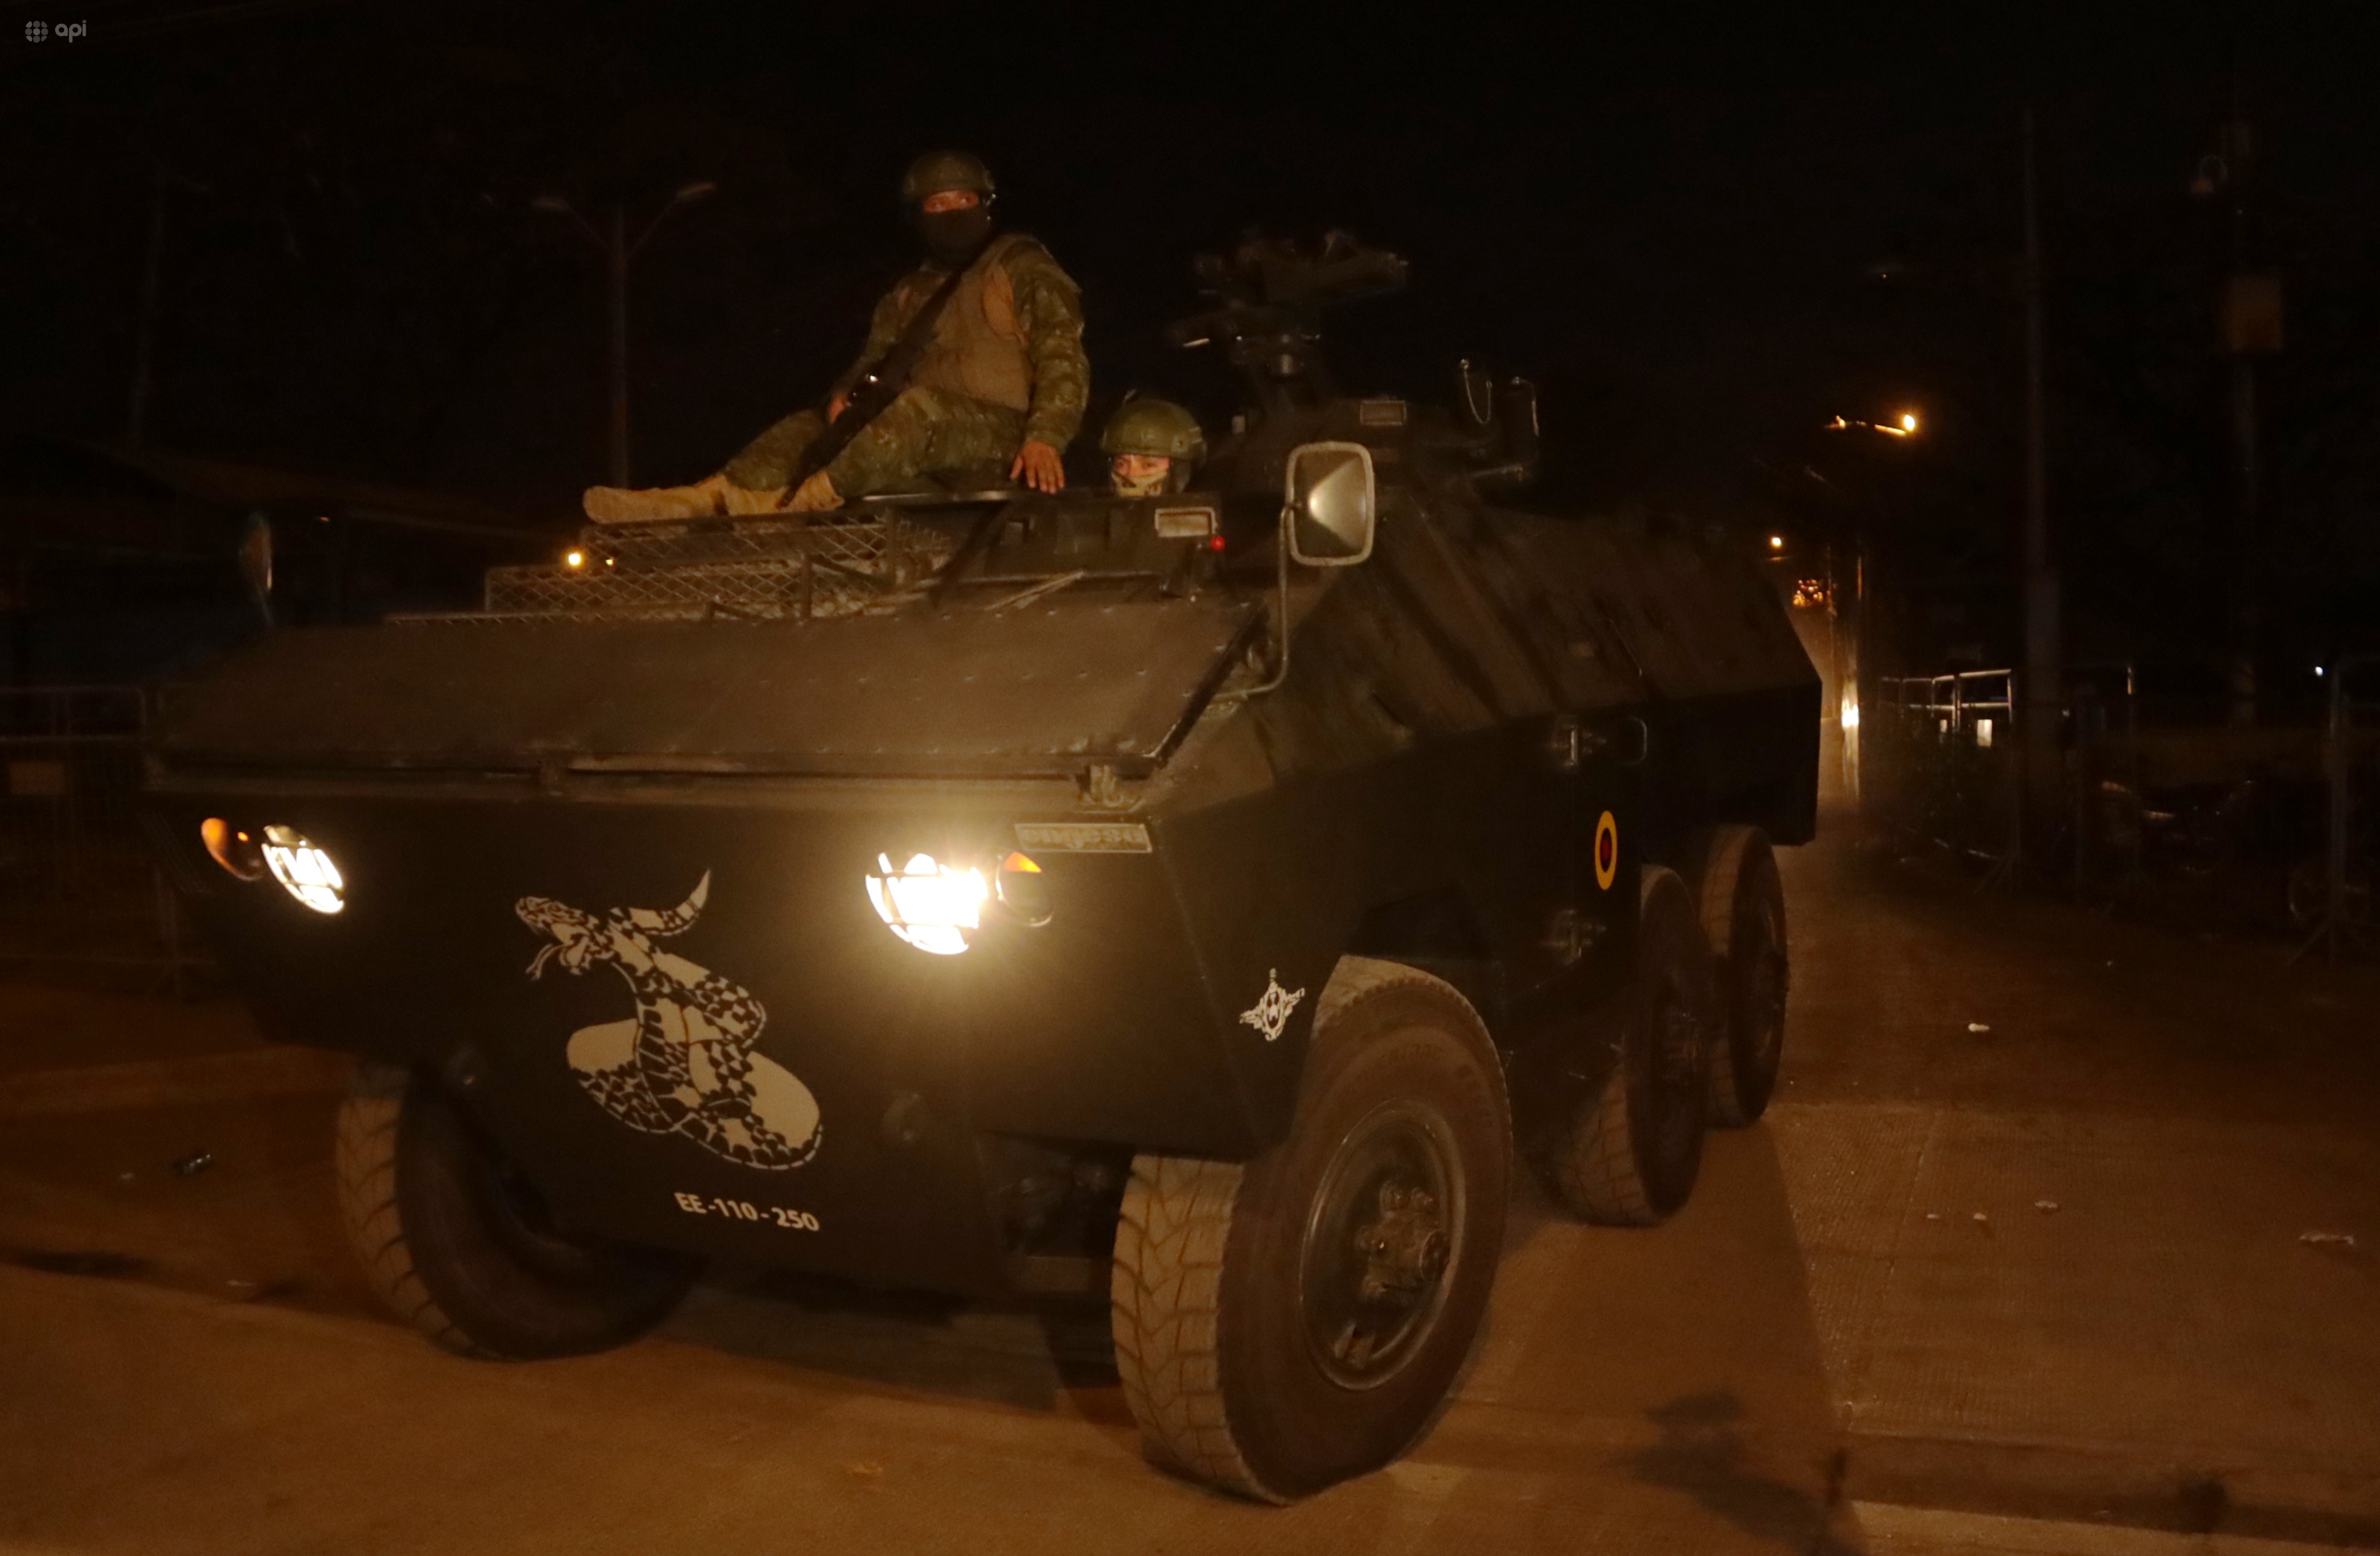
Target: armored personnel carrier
[[1201, 900]]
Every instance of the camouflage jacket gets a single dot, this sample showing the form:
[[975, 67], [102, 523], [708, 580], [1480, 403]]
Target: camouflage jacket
[[1012, 335]]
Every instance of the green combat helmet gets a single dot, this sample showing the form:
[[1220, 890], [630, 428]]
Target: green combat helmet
[[1153, 428], [1158, 427], [936, 171]]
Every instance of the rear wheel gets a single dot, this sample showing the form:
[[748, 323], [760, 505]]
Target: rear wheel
[[1286, 1324], [1743, 919], [459, 1245], [1628, 1152]]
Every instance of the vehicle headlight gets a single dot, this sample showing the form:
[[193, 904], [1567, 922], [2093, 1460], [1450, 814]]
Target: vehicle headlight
[[305, 870], [932, 906]]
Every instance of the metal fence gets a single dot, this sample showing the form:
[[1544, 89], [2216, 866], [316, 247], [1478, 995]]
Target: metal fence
[[79, 881], [2158, 804], [1940, 764]]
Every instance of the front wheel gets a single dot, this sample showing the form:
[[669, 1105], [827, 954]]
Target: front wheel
[[458, 1243], [1287, 1324]]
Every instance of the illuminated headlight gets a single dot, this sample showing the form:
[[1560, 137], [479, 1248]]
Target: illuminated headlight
[[934, 906], [307, 871]]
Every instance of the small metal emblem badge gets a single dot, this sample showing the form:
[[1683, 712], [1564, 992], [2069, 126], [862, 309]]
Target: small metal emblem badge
[[1270, 1013]]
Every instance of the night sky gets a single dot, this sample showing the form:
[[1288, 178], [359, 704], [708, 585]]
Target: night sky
[[1676, 224]]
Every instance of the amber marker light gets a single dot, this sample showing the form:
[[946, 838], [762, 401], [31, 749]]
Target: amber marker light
[[239, 854], [1022, 889]]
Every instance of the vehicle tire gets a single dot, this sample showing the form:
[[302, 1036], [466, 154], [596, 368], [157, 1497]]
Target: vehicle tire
[[1629, 1151], [1744, 920], [1286, 1324], [459, 1244]]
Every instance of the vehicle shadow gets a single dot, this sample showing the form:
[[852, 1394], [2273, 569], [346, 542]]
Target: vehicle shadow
[[1702, 1452], [1045, 1354]]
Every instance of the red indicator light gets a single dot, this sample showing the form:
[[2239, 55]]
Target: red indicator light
[[1214, 542]]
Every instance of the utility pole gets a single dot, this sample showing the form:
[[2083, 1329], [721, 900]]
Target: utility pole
[[2248, 326], [144, 336], [2043, 677]]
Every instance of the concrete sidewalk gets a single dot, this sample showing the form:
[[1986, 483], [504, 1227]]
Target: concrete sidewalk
[[2060, 1266]]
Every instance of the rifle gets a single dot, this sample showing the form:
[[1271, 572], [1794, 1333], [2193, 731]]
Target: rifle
[[883, 382]]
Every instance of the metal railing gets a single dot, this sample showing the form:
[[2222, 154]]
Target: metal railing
[[79, 881], [2158, 804], [1946, 769]]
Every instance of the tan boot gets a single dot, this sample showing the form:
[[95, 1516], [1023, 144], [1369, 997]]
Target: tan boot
[[813, 494], [625, 504], [752, 500]]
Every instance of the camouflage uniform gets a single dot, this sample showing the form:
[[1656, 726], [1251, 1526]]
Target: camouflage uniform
[[1005, 368]]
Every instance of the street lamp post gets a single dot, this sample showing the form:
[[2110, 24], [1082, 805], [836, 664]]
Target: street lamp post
[[617, 250]]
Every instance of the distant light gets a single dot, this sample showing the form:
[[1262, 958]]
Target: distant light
[[1909, 421], [1776, 542], [574, 559], [2319, 670]]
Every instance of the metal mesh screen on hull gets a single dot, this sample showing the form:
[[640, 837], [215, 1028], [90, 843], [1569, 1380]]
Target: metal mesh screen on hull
[[764, 569]]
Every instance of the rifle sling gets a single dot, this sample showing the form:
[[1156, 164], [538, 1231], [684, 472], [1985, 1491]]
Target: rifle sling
[[889, 377]]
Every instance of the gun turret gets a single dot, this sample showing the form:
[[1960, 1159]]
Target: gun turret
[[1268, 295]]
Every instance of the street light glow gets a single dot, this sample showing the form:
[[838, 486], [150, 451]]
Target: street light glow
[[1909, 421], [1776, 542]]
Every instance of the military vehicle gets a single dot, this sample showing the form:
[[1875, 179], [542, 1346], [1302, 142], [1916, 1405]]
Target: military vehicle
[[1200, 900]]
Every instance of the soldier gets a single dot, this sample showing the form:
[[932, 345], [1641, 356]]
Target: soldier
[[998, 387], [1153, 448]]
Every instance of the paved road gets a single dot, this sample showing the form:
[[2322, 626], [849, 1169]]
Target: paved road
[[1869, 1331]]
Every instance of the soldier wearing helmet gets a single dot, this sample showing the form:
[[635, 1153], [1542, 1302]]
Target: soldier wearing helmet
[[998, 390], [1152, 446]]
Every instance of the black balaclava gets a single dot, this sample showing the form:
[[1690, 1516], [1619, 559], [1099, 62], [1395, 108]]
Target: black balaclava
[[952, 237]]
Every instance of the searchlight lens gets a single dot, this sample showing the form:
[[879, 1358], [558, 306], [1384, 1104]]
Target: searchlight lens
[[932, 906], [304, 871]]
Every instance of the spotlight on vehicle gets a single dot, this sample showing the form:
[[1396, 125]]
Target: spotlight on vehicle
[[932, 906], [304, 871]]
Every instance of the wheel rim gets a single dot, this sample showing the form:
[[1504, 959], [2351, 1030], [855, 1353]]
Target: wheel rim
[[518, 1216], [1678, 1061], [1381, 1245], [1764, 986]]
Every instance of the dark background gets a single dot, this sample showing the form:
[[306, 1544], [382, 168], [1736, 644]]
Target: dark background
[[1703, 237]]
